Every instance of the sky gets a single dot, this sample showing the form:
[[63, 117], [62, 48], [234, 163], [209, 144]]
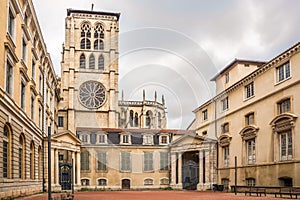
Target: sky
[[175, 47]]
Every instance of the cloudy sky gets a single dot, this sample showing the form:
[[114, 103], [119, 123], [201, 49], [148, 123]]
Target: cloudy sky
[[174, 47]]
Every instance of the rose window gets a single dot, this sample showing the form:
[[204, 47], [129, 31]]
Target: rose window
[[92, 94]]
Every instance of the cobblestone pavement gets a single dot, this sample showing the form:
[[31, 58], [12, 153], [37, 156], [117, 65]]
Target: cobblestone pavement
[[154, 195]]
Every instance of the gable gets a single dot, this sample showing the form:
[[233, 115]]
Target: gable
[[66, 137], [187, 139]]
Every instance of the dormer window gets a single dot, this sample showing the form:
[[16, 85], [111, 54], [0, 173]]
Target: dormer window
[[84, 138], [101, 138], [125, 138], [163, 139], [147, 139]]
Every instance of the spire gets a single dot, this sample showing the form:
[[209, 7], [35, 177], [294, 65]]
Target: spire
[[144, 96], [163, 100], [155, 96], [92, 7], [122, 95]]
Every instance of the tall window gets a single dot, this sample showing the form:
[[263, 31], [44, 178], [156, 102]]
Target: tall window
[[249, 90], [226, 156], [11, 23], [284, 106], [85, 160], [158, 120], [6, 151], [136, 120], [226, 77], [101, 62], [22, 95], [21, 156], [98, 35], [33, 69], [9, 77], [148, 118], [148, 161], [39, 163], [32, 164], [41, 84], [92, 61], [32, 107], [131, 118], [224, 104], [249, 119], [60, 121], [225, 127], [24, 49], [286, 145], [251, 158], [101, 162], [85, 42], [164, 161], [204, 114], [125, 161], [82, 61], [283, 72], [40, 117]]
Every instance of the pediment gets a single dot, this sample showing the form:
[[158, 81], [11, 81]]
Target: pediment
[[67, 137], [187, 139]]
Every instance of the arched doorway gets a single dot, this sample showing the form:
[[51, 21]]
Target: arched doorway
[[125, 184], [190, 170]]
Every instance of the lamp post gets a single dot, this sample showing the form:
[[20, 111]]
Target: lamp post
[[235, 174], [49, 163]]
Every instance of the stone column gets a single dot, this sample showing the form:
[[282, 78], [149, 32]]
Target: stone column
[[200, 184], [73, 167], [78, 168], [179, 185], [56, 168], [207, 169], [173, 169]]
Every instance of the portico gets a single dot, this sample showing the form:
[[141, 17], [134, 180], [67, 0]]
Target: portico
[[193, 163]]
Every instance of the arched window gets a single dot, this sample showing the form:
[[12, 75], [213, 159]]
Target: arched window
[[136, 120], [85, 182], [40, 163], [21, 156], [85, 34], [102, 182], [82, 61], [159, 120], [131, 118], [98, 31], [148, 181], [148, 118], [101, 62], [32, 166], [99, 44], [92, 62], [6, 151]]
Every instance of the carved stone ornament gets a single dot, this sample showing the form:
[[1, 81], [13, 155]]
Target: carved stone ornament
[[92, 94]]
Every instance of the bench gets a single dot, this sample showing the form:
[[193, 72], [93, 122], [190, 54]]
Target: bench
[[256, 190], [67, 196], [283, 191]]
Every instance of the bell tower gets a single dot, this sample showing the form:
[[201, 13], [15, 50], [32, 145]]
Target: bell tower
[[89, 70]]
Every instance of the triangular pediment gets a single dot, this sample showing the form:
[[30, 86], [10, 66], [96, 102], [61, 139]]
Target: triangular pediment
[[67, 137], [187, 139]]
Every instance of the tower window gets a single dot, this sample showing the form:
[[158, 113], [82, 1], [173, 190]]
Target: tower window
[[101, 63], [92, 62], [82, 61]]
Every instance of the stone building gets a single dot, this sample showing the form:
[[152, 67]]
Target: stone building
[[123, 144], [28, 99], [254, 117]]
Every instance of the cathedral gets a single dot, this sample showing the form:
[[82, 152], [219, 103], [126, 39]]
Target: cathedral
[[77, 131]]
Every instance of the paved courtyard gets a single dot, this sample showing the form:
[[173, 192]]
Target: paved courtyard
[[154, 195]]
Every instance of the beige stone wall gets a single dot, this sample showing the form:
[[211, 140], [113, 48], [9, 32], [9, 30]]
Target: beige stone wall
[[114, 175]]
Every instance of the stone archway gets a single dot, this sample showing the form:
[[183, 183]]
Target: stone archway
[[125, 184]]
